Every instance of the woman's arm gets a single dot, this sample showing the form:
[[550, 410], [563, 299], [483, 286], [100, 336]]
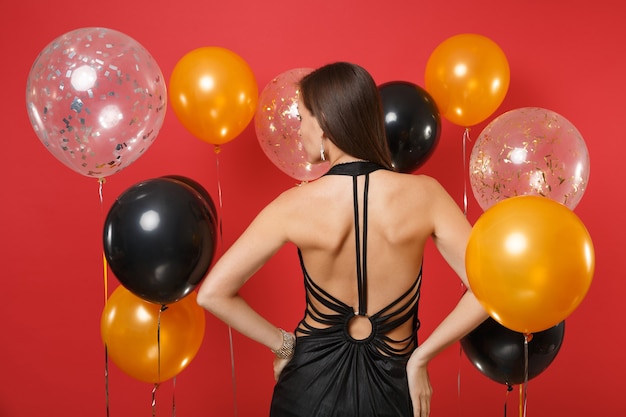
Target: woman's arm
[[451, 234], [219, 293]]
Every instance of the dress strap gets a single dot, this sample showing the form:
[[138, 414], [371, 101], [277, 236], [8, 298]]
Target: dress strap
[[361, 255], [356, 169]]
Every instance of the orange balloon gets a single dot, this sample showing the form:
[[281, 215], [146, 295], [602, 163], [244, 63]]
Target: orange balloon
[[213, 93], [530, 262], [148, 347], [468, 77]]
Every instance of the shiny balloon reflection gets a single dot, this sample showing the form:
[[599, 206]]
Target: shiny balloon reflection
[[83, 78], [149, 220], [516, 243]]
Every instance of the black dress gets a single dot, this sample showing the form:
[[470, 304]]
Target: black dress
[[334, 375]]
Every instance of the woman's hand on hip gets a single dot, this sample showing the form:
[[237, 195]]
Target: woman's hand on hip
[[419, 388]]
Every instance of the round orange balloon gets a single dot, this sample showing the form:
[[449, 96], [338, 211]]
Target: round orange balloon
[[149, 344], [468, 77], [214, 94], [530, 262]]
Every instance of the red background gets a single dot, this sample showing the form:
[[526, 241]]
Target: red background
[[564, 56]]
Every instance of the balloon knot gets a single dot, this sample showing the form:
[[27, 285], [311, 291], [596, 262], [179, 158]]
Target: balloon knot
[[217, 149]]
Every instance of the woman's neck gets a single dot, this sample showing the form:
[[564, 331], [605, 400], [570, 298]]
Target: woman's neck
[[344, 159]]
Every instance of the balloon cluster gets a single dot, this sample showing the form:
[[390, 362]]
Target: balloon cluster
[[529, 259], [97, 100], [159, 240], [466, 79]]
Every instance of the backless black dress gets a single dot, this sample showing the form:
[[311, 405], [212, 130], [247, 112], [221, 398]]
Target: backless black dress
[[334, 375]]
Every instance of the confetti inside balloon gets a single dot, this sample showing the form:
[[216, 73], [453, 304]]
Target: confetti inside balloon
[[96, 99], [277, 123], [529, 151]]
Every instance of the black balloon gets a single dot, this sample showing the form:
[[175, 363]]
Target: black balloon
[[498, 352], [412, 124], [160, 238], [202, 193]]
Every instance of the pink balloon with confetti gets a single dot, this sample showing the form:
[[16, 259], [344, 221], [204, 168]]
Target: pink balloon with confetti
[[529, 151], [277, 123], [96, 99]]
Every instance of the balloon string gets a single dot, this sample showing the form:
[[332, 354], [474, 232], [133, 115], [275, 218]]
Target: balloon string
[[101, 182], [232, 367], [106, 379], [221, 232], [106, 350], [156, 385], [524, 390], [174, 396], [466, 138], [105, 272], [506, 397], [458, 379], [161, 310], [458, 382], [219, 192], [154, 391]]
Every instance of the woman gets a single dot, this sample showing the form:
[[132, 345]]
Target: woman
[[360, 231]]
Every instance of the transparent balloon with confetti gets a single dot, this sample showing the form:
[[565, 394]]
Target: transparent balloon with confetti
[[277, 123], [529, 151], [96, 99]]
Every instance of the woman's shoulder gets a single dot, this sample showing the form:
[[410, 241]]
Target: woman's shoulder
[[303, 194], [411, 182]]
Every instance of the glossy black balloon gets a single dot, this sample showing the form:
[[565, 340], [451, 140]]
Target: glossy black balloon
[[498, 352], [412, 124], [159, 239], [202, 193]]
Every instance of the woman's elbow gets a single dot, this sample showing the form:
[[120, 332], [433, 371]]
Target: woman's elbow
[[207, 297]]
